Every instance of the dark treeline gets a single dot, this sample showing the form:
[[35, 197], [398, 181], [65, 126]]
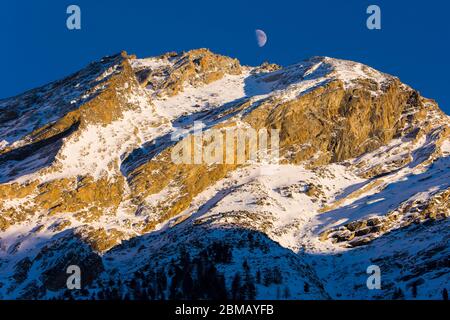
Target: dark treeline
[[188, 278]]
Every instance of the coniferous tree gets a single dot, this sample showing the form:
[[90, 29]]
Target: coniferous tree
[[249, 291], [268, 279], [84, 292], [220, 252], [161, 284], [445, 294], [414, 290], [173, 292], [151, 293], [101, 295], [221, 292], [245, 266], [68, 295], [115, 294], [277, 276], [188, 285], [306, 287], [398, 294], [133, 287], [213, 282], [236, 287], [287, 293], [185, 259], [258, 277]]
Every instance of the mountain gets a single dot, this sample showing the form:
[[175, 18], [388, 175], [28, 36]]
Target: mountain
[[355, 173]]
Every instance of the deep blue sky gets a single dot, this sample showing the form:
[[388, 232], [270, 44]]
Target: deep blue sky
[[414, 43]]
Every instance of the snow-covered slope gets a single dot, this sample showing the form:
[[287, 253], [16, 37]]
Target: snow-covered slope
[[86, 179]]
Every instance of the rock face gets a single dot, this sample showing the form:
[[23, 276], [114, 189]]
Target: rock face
[[87, 178], [195, 67]]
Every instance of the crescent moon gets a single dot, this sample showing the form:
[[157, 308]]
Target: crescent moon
[[261, 38]]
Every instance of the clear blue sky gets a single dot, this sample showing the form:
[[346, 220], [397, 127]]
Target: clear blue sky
[[414, 43]]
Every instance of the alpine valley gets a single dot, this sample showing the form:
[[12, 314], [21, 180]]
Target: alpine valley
[[87, 179]]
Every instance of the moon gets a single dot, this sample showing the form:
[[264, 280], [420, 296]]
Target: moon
[[261, 38]]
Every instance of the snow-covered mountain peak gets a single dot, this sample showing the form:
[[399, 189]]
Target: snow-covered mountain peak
[[87, 178], [322, 70]]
